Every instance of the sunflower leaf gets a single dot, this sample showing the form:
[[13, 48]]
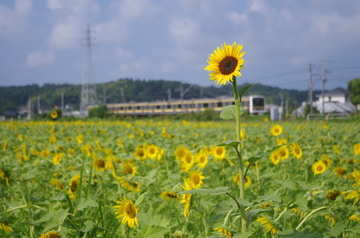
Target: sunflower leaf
[[228, 112], [208, 191], [244, 90], [232, 143]]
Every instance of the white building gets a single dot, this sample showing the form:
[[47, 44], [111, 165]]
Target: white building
[[334, 101]]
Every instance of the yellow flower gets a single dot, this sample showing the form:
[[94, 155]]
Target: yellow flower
[[127, 210], [296, 150], [357, 149], [332, 195], [51, 234], [129, 185], [187, 162], [267, 225], [56, 183], [275, 157], [140, 152], [53, 114], [5, 227], [201, 159], [99, 164], [186, 198], [319, 167], [354, 218], [169, 195], [353, 194], [180, 152], [276, 130], [196, 179], [356, 177], [247, 181], [128, 167], [57, 158], [79, 139], [339, 171], [224, 231], [283, 152], [225, 63], [152, 151], [219, 153]]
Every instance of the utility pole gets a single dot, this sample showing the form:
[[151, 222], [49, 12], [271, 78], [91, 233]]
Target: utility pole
[[323, 80], [169, 94], [38, 105], [104, 95], [88, 91], [310, 99], [122, 95], [182, 91], [62, 104]]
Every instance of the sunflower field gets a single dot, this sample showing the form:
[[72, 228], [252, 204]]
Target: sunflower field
[[167, 178]]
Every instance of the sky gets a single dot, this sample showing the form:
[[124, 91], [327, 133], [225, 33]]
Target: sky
[[44, 41]]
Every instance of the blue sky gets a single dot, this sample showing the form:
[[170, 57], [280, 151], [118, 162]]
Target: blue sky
[[43, 41]]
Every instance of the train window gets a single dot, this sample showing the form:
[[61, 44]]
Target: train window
[[157, 106], [232, 103], [129, 107], [258, 102], [121, 108], [138, 107], [206, 105], [245, 103], [179, 105], [219, 104], [168, 106]]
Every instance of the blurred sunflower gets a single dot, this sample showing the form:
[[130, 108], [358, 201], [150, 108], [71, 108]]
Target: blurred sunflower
[[54, 114], [196, 179], [180, 152], [224, 231], [5, 227], [99, 164], [202, 159], [127, 210], [186, 198], [219, 153], [296, 150], [276, 130], [169, 195], [51, 234], [275, 157], [356, 149], [225, 63], [319, 167], [267, 225], [128, 168]]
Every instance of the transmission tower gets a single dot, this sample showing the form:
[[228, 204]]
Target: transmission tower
[[88, 90]]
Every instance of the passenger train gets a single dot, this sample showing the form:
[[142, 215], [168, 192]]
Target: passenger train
[[252, 104]]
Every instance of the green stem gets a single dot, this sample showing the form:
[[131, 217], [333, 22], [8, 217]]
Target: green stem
[[241, 166]]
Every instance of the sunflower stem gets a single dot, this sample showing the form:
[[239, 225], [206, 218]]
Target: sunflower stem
[[237, 100]]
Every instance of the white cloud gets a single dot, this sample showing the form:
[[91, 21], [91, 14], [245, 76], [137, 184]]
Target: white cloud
[[40, 58], [67, 34], [13, 21], [184, 30], [53, 4]]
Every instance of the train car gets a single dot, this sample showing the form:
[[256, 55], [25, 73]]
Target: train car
[[252, 104]]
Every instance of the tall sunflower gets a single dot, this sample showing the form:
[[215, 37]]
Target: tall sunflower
[[128, 211], [225, 63]]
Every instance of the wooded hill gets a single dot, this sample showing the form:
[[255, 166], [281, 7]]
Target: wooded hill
[[13, 98]]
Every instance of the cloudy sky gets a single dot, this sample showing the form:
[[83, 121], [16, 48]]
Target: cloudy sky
[[44, 41]]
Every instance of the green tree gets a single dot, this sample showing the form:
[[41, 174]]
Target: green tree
[[354, 89], [99, 112]]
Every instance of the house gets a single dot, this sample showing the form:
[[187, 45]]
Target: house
[[334, 101]]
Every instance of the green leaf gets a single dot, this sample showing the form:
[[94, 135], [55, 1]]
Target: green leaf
[[243, 234], [228, 112], [209, 191], [338, 229], [88, 225], [232, 143], [86, 203], [244, 89]]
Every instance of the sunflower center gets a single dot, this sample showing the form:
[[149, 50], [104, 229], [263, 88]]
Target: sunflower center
[[130, 210], [228, 65]]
